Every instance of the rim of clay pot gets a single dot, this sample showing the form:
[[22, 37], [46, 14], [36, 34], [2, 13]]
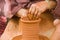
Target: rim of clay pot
[[30, 21]]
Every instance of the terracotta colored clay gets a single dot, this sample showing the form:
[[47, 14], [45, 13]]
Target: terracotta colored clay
[[30, 29]]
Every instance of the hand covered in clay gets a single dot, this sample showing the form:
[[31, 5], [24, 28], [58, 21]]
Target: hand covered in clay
[[37, 8]]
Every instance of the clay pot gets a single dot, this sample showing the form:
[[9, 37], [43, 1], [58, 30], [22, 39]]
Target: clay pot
[[30, 29]]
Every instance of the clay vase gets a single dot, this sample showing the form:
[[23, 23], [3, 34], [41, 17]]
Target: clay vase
[[30, 29]]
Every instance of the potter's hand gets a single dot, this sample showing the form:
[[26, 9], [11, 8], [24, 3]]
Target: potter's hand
[[38, 8], [22, 13]]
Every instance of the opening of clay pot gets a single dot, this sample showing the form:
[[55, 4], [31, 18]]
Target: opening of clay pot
[[30, 21]]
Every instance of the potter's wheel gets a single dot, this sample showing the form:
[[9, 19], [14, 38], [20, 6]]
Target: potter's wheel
[[20, 37], [47, 28]]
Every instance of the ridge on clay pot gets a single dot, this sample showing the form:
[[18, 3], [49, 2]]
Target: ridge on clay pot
[[30, 30]]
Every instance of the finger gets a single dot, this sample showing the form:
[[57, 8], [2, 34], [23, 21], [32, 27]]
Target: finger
[[30, 9], [35, 13], [38, 14], [31, 12]]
